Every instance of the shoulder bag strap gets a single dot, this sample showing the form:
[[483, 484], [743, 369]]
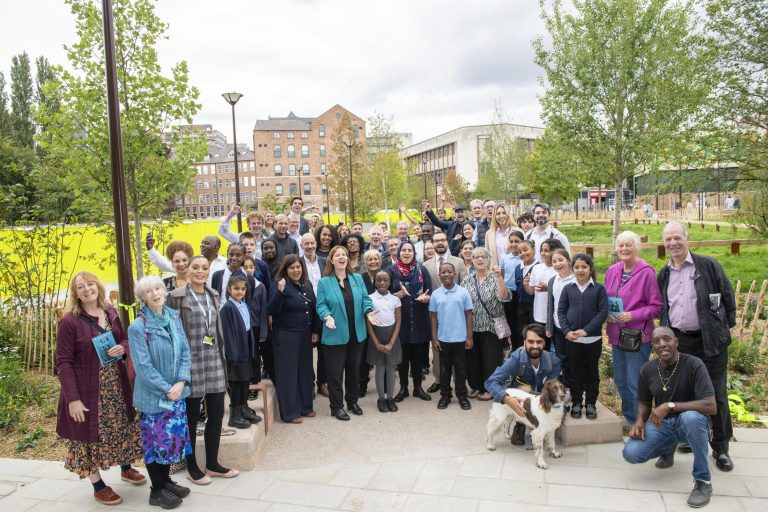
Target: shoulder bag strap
[[480, 296]]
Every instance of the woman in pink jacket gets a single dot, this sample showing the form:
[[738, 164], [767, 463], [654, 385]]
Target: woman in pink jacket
[[634, 282]]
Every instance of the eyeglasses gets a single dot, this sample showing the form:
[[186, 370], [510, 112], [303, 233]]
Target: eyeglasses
[[480, 257]]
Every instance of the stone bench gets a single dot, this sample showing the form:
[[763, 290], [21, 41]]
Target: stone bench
[[241, 450], [607, 428]]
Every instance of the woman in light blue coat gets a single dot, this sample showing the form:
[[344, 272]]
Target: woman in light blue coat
[[161, 358], [343, 305]]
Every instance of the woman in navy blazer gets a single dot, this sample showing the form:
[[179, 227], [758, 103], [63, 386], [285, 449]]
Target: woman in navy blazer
[[296, 328], [343, 305]]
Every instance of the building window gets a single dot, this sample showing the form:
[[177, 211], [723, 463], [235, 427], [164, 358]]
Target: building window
[[322, 149], [307, 189], [291, 151], [304, 151], [291, 170], [220, 183], [294, 189], [322, 130], [277, 152], [205, 185], [215, 210], [213, 184], [305, 169], [278, 189], [218, 168], [215, 198], [207, 198], [356, 130], [289, 135], [251, 166], [323, 168], [304, 135], [199, 185], [278, 170], [275, 135]]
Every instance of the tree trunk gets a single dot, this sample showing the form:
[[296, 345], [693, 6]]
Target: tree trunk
[[617, 205], [137, 238]]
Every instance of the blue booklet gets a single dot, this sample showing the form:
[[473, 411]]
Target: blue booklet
[[615, 306], [102, 343]]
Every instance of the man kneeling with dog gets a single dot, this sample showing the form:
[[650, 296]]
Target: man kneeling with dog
[[679, 387], [527, 369]]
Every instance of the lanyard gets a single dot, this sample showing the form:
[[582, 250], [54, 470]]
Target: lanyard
[[206, 309]]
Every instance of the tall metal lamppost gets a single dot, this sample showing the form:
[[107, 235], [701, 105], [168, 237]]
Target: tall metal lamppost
[[349, 145], [232, 98], [324, 172], [424, 176], [436, 189]]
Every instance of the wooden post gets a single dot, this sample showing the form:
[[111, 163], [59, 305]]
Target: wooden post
[[583, 223], [735, 248], [590, 250], [636, 220], [758, 309], [744, 310], [717, 227], [702, 225], [661, 252], [738, 293]]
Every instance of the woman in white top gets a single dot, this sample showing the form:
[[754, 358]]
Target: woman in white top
[[561, 262], [496, 238], [539, 282]]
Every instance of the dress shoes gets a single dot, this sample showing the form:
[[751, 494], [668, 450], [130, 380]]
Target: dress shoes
[[391, 405], [723, 461], [322, 389], [340, 414], [464, 403], [402, 394], [434, 388], [666, 461], [381, 404], [249, 414], [700, 494], [419, 392], [355, 409], [443, 402]]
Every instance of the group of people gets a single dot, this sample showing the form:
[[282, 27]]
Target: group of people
[[471, 287]]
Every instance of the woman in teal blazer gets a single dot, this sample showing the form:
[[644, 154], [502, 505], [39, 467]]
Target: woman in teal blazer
[[343, 305]]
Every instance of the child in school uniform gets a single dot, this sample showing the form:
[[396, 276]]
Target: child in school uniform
[[384, 351], [582, 310], [538, 285], [241, 327], [450, 311], [561, 262], [526, 250], [509, 263]]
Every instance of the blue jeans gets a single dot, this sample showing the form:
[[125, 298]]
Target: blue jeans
[[688, 427], [626, 371]]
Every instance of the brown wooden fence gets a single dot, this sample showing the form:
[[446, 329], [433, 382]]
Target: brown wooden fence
[[751, 308], [36, 335]]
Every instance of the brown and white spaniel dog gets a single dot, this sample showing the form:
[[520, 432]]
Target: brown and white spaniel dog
[[544, 415]]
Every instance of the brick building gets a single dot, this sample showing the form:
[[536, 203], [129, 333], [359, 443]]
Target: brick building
[[292, 154]]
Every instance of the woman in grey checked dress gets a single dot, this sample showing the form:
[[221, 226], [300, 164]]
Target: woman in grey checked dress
[[199, 308]]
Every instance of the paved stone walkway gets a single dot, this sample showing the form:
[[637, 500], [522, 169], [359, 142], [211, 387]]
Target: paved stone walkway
[[418, 459]]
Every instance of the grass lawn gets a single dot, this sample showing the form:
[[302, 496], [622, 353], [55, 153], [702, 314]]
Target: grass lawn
[[601, 234]]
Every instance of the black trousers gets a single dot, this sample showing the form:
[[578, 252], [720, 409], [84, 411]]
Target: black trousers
[[561, 350], [413, 358], [342, 364], [320, 373], [293, 369], [365, 368], [585, 370], [482, 360], [159, 475], [453, 360], [523, 317], [256, 365], [214, 407], [267, 356], [238, 392], [717, 367]]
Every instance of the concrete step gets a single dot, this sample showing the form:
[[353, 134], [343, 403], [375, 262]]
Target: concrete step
[[242, 449], [605, 429]]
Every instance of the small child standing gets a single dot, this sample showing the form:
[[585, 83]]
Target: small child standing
[[561, 262], [509, 264], [450, 310], [238, 326], [526, 250], [384, 351], [582, 310], [539, 283]]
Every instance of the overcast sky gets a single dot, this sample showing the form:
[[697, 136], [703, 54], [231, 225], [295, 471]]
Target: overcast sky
[[434, 65]]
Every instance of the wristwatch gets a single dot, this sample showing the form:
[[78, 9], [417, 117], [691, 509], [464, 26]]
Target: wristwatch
[[671, 405]]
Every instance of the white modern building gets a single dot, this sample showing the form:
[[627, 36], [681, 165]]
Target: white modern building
[[459, 150]]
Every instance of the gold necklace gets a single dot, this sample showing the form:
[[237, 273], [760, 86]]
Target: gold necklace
[[664, 385]]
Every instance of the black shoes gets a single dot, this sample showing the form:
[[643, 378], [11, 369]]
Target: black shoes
[[443, 402], [723, 461], [434, 388], [591, 412], [249, 414], [464, 403], [355, 409], [666, 461], [381, 403], [684, 448], [164, 499], [418, 392], [253, 394], [340, 414], [178, 490], [391, 405], [402, 394], [576, 411], [236, 419], [518, 434], [700, 494]]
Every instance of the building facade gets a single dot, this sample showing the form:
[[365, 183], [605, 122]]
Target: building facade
[[293, 154], [459, 150]]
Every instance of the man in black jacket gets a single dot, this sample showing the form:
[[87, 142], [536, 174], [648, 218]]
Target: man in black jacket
[[700, 307]]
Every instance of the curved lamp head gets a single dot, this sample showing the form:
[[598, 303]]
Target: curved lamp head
[[232, 97]]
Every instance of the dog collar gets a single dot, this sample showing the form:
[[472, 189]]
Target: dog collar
[[556, 406]]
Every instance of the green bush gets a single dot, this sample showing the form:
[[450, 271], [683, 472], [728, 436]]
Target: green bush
[[745, 357]]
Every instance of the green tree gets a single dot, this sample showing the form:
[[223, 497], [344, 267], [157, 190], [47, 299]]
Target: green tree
[[22, 96], [45, 76], [740, 29], [6, 128], [157, 155], [16, 192], [622, 77], [338, 177], [385, 161]]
